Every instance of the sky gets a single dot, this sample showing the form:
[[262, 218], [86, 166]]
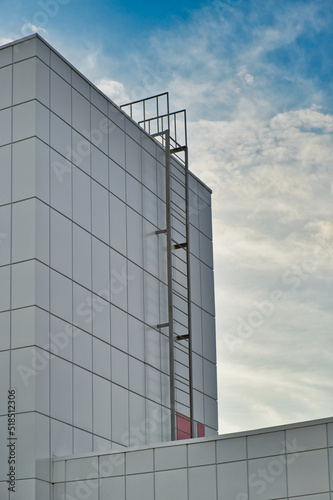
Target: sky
[[256, 79]]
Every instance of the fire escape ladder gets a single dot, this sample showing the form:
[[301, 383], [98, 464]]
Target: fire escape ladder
[[170, 130]]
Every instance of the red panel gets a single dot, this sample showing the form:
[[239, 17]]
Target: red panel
[[201, 430], [183, 425], [182, 435]]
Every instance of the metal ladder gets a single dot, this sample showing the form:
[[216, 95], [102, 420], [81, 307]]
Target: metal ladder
[[170, 130]]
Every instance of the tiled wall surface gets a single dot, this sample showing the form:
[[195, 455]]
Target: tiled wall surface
[[83, 274], [286, 463]]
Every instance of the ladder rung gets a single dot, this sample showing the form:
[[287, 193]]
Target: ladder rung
[[180, 245], [178, 150], [163, 325], [161, 231], [183, 337]]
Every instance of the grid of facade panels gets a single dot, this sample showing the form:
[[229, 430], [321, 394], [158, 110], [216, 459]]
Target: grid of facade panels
[[83, 275], [292, 462]]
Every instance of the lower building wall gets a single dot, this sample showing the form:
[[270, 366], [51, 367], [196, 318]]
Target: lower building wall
[[281, 463]]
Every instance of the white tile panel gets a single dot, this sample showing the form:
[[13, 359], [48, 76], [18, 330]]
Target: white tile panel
[[5, 331], [23, 284], [210, 379], [6, 87], [24, 167], [308, 438], [117, 177], [61, 390], [267, 478], [119, 279], [120, 422], [133, 158], [140, 487], [81, 114], [81, 256], [24, 71], [82, 348], [4, 373], [134, 286], [201, 454], [82, 308], [82, 383], [154, 422], [170, 457], [61, 296], [209, 345], [60, 136], [136, 336], [134, 237], [210, 412], [137, 420], [230, 450], [100, 267], [198, 406], [5, 126], [24, 50], [149, 171], [134, 193], [116, 115], [6, 56], [308, 473], [80, 85], [99, 100], [101, 358], [61, 184], [117, 146], [100, 167], [112, 487], [232, 481], [61, 438], [102, 407], [119, 328], [81, 199], [82, 489], [80, 154], [5, 288], [263, 445], [43, 457], [26, 431], [5, 234], [61, 97], [139, 461], [99, 130], [101, 318], [83, 442], [100, 212], [151, 301], [171, 484], [112, 465], [61, 243], [207, 289], [61, 67], [5, 186], [119, 367], [60, 338], [117, 224], [201, 481]]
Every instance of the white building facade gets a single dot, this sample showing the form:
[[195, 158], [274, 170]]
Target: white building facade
[[84, 290], [107, 321]]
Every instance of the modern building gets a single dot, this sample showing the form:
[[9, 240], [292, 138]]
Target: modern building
[[107, 332]]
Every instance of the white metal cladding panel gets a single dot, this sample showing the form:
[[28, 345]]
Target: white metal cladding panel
[[219, 469]]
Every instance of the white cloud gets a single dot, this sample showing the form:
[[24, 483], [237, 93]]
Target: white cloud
[[114, 90], [29, 28]]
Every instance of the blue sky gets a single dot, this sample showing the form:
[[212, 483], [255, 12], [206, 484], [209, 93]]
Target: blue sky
[[256, 79]]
